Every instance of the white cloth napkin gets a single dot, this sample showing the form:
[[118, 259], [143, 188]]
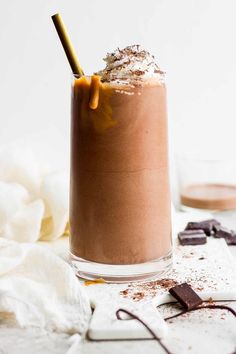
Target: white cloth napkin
[[33, 193], [40, 289]]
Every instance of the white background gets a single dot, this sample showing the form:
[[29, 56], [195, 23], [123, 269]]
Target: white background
[[193, 40]]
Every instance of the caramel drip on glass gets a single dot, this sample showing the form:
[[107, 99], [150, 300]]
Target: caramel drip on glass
[[93, 103], [94, 92]]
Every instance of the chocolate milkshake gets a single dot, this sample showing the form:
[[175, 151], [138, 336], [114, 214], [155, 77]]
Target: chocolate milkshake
[[120, 197]]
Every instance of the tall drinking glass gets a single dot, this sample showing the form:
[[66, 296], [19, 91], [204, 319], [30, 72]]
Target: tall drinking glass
[[120, 198]]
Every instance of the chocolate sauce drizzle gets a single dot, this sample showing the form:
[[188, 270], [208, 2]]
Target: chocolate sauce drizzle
[[221, 307], [144, 324], [214, 307]]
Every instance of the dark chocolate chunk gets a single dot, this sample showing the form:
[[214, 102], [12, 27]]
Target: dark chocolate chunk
[[186, 296], [205, 225], [231, 240], [221, 231], [192, 237]]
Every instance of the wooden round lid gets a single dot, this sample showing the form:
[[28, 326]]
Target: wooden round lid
[[209, 196]]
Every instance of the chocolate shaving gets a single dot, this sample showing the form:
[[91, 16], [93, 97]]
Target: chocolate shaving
[[138, 72], [139, 291], [138, 296]]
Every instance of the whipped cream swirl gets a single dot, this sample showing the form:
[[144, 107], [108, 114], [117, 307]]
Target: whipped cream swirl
[[131, 65]]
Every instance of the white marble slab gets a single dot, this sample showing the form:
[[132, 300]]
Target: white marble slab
[[209, 269]]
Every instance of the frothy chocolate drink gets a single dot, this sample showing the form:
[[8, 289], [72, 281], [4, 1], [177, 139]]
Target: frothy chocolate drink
[[120, 198]]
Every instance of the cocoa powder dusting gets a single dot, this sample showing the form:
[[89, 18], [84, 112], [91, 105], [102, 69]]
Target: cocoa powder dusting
[[139, 291], [138, 296]]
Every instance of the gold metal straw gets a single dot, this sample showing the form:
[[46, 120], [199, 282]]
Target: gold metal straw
[[67, 45]]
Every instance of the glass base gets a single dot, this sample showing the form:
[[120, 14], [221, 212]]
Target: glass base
[[121, 273]]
